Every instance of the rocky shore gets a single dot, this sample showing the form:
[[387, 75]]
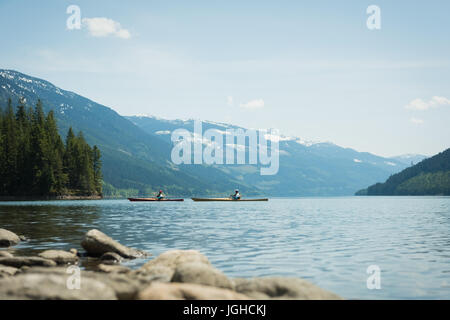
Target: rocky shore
[[175, 274]]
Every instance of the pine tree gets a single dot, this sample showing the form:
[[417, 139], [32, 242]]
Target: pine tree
[[97, 170]]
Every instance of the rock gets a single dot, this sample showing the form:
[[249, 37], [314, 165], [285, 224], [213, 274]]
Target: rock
[[169, 260], [7, 271], [112, 269], [125, 286], [110, 257], [282, 288], [59, 256], [5, 254], [97, 243], [35, 286], [8, 238], [23, 238], [18, 262], [74, 251], [187, 291], [201, 273]]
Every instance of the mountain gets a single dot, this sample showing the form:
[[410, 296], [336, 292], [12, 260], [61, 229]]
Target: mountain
[[134, 161], [306, 168], [410, 159], [136, 152], [429, 177]]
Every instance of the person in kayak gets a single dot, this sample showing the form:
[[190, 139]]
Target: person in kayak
[[236, 195], [160, 195]]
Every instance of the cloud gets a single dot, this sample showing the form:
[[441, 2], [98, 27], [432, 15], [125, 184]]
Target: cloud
[[416, 120], [419, 104], [230, 100], [253, 104], [103, 27]]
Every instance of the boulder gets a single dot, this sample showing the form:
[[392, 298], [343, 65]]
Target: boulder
[[282, 288], [7, 271], [110, 257], [8, 238], [42, 286], [96, 243], [168, 261], [5, 254], [125, 287], [18, 262], [112, 268], [201, 273], [59, 256], [187, 291]]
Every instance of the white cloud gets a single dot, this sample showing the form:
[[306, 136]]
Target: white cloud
[[419, 104], [103, 27], [416, 120], [253, 104], [230, 100]]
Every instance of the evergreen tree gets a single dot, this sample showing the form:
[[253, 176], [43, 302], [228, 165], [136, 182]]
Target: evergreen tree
[[35, 161]]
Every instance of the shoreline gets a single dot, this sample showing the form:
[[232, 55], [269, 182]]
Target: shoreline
[[173, 275], [47, 198]]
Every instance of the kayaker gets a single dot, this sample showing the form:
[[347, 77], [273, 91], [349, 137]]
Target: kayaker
[[236, 195], [160, 195]]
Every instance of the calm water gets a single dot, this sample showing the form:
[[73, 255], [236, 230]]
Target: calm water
[[329, 241]]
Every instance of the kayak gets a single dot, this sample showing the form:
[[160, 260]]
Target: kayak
[[153, 199], [227, 199]]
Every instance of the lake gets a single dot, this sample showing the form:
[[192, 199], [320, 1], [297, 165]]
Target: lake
[[328, 241]]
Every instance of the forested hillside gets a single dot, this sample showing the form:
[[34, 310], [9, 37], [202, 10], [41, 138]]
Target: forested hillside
[[34, 160], [429, 177]]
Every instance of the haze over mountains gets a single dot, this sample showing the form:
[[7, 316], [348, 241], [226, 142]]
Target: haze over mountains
[[136, 152]]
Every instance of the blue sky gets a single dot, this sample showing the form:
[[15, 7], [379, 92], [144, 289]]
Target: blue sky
[[309, 68]]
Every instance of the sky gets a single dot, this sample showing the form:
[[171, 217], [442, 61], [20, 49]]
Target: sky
[[312, 69]]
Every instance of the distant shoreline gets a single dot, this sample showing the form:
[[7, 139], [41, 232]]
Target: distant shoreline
[[41, 198]]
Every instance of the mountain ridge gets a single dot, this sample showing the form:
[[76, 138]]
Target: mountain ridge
[[136, 152]]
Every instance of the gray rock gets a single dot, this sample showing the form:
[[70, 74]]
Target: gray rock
[[96, 243], [111, 257], [112, 268], [38, 286], [23, 238], [168, 261], [59, 256], [18, 262], [201, 273], [7, 271], [187, 291], [282, 288], [8, 238], [5, 254], [125, 286]]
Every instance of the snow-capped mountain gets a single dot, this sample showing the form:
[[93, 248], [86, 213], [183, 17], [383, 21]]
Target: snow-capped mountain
[[136, 151]]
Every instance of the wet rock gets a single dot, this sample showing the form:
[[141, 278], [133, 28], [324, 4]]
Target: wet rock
[[5, 254], [282, 288], [74, 251], [59, 256], [201, 273], [7, 271], [187, 291], [96, 243], [112, 268], [110, 257], [35, 286], [23, 238], [8, 238], [19, 262], [170, 260]]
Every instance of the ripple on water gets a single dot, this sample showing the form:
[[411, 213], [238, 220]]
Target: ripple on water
[[329, 241]]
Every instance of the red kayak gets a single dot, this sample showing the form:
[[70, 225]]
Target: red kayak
[[153, 199]]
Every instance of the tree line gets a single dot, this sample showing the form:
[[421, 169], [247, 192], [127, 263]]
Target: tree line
[[429, 177], [34, 160]]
